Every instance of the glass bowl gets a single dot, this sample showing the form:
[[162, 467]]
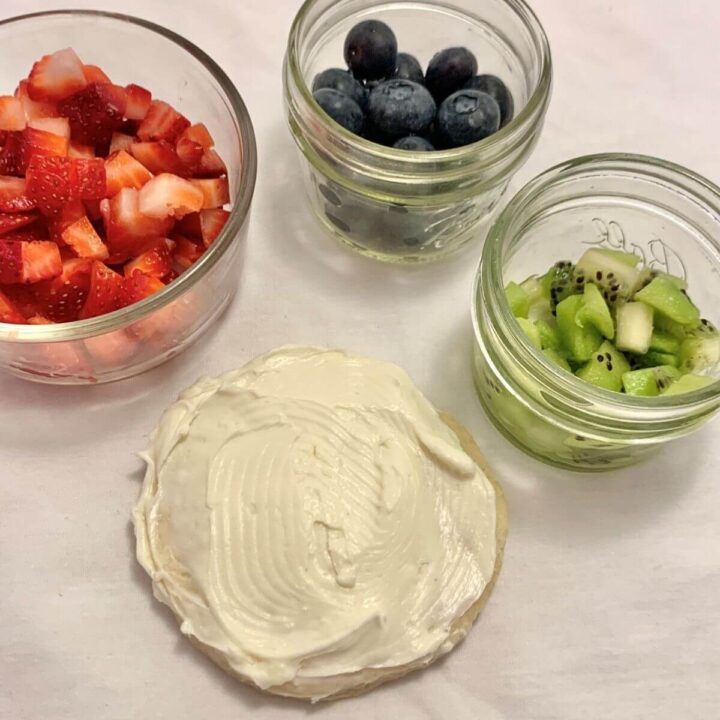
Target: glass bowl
[[662, 212], [396, 205], [134, 339]]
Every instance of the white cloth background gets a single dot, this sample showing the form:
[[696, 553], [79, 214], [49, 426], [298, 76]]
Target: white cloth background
[[609, 602]]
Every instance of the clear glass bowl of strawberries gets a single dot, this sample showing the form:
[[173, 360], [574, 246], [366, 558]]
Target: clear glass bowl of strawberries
[[127, 168]]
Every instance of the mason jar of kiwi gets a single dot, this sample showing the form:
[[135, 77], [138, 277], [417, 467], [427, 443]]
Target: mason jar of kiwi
[[595, 311]]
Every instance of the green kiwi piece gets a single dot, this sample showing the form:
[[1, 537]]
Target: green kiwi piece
[[606, 368]]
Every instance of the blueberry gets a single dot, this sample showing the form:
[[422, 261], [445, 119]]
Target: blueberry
[[371, 50], [401, 107], [408, 68], [341, 109], [496, 89], [413, 142], [342, 81], [448, 72], [466, 117]]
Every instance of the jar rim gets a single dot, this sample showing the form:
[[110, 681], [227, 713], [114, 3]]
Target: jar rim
[[490, 147], [80, 329], [703, 191]]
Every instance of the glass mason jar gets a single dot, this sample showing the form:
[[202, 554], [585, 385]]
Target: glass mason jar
[[136, 338], [396, 205], [664, 213]]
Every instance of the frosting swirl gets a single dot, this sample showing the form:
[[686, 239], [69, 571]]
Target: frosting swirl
[[310, 516]]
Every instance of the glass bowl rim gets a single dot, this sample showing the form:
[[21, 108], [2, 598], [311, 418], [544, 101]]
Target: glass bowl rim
[[510, 134], [645, 166], [80, 329]]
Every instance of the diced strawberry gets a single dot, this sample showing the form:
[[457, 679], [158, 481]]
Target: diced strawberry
[[104, 294], [211, 165], [95, 113], [120, 141], [199, 134], [78, 150], [92, 209], [216, 192], [12, 115], [71, 212], [83, 239], [187, 251], [9, 312], [93, 74], [138, 286], [170, 277], [159, 157], [205, 225], [34, 109], [40, 320], [127, 229], [28, 262], [41, 142], [12, 195], [55, 125], [13, 221], [162, 122], [30, 233], [138, 102], [190, 153], [51, 182], [169, 195], [123, 170], [91, 178], [56, 76], [11, 157], [154, 261], [62, 298]]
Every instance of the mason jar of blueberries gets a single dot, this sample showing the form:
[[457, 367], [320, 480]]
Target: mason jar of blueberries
[[411, 117]]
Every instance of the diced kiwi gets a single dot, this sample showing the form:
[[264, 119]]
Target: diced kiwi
[[579, 342], [615, 278], [531, 331], [606, 368], [629, 259], [700, 350], [668, 300], [518, 299], [560, 282], [594, 310], [669, 327], [664, 342], [634, 327], [540, 310], [649, 381], [549, 334], [653, 359], [534, 288], [688, 383], [557, 358]]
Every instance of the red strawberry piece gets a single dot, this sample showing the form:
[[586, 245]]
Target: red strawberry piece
[[70, 213], [123, 170], [187, 251], [93, 74], [13, 221], [211, 165], [12, 114], [162, 122], [28, 262], [40, 320], [78, 150], [56, 76], [13, 197], [190, 153], [120, 141], [138, 286], [104, 294], [95, 113], [127, 229], [92, 209], [34, 109], [91, 178], [170, 277], [51, 182], [216, 192], [205, 225], [154, 261], [11, 157], [62, 298], [168, 195], [159, 157], [40, 142], [84, 240], [9, 311], [30, 233], [138, 102], [199, 134], [53, 125]]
